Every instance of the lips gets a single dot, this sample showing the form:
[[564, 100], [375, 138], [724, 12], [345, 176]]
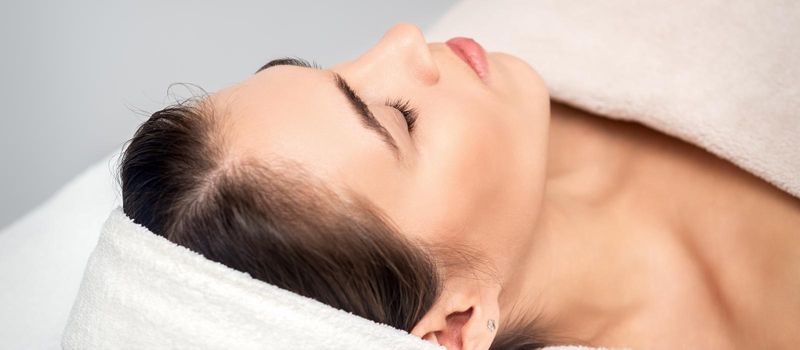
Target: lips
[[472, 53]]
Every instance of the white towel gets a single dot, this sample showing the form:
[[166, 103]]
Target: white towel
[[141, 291], [721, 74]]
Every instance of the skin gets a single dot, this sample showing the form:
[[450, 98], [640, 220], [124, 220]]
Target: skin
[[566, 208], [680, 249]]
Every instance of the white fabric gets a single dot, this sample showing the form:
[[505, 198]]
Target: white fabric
[[721, 74], [43, 254], [141, 291]]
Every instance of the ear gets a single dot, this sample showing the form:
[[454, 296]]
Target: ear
[[460, 317]]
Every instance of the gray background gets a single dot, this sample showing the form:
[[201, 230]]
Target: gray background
[[78, 77]]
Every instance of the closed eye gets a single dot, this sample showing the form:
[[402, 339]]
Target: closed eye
[[409, 113], [368, 120]]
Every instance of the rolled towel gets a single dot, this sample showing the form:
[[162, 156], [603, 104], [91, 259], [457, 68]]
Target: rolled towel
[[141, 291]]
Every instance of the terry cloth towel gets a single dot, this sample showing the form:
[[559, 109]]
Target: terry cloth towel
[[141, 291], [723, 75]]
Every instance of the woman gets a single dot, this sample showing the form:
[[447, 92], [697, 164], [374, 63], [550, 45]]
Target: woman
[[432, 187]]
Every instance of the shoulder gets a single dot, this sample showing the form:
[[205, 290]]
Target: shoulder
[[732, 263]]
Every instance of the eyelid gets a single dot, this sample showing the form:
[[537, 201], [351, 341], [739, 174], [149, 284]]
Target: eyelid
[[408, 112]]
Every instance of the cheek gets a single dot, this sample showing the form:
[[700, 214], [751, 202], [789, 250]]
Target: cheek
[[465, 145], [464, 159]]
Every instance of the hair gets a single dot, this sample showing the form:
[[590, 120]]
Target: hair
[[280, 224]]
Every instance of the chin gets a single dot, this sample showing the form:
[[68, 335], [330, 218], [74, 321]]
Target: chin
[[520, 82], [523, 88]]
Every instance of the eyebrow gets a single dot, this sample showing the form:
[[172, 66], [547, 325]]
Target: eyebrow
[[366, 117]]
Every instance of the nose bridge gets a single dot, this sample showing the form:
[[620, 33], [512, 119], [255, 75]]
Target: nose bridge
[[403, 50]]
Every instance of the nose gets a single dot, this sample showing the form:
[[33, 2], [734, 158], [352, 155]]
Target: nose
[[402, 50]]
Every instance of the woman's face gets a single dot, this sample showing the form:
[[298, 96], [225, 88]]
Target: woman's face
[[471, 172]]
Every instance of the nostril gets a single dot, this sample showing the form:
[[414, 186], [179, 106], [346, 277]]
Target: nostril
[[427, 71]]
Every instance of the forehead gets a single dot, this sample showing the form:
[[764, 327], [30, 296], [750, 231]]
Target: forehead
[[295, 113]]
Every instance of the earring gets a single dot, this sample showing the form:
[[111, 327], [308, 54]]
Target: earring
[[491, 325]]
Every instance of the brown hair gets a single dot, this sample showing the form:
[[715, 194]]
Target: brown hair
[[278, 223]]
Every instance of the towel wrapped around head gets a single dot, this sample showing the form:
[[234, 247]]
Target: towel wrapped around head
[[141, 291]]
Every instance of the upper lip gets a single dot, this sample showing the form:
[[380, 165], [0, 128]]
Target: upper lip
[[472, 53]]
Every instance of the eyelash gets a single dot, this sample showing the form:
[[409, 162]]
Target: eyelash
[[408, 112]]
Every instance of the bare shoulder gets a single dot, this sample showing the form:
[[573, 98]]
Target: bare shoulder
[[665, 170], [740, 233]]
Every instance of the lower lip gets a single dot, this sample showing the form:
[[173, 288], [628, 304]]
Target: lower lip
[[472, 53]]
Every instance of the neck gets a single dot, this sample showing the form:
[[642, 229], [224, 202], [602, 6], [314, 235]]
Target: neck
[[574, 267]]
